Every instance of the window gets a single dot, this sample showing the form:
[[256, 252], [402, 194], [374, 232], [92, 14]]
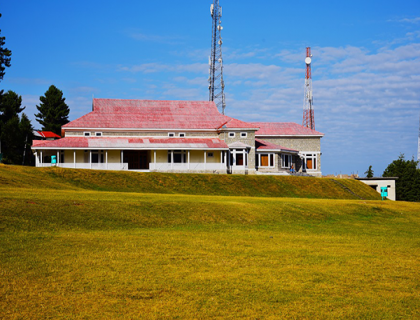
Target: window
[[266, 160], [244, 134], [98, 134], [231, 134], [182, 135], [171, 134], [86, 134], [286, 160], [309, 161], [180, 156], [210, 154]]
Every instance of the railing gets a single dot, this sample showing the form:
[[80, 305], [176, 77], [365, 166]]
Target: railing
[[192, 166], [97, 166]]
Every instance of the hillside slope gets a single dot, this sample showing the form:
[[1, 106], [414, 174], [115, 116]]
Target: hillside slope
[[173, 183]]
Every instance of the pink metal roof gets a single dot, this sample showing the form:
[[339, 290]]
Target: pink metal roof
[[264, 145], [232, 123], [283, 128], [129, 143], [154, 114]]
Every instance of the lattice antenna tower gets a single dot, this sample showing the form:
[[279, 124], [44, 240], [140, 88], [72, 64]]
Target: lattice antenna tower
[[216, 83], [418, 147], [308, 107]]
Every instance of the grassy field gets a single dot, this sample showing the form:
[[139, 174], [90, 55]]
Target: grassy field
[[199, 184], [76, 253]]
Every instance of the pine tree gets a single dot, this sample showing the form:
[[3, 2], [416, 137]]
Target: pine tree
[[369, 172], [26, 137], [5, 57], [408, 182], [53, 111]]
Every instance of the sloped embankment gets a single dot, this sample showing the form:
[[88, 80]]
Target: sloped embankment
[[196, 184]]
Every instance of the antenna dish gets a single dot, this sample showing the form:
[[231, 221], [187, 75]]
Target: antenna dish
[[308, 60], [211, 9]]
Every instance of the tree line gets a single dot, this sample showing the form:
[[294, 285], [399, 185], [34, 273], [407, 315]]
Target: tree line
[[16, 130], [408, 173]]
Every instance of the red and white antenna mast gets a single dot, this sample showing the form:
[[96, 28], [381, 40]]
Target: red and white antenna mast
[[308, 111]]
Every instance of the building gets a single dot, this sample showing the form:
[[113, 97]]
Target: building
[[179, 136], [379, 182]]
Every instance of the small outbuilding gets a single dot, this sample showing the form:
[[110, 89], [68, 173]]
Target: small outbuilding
[[379, 182]]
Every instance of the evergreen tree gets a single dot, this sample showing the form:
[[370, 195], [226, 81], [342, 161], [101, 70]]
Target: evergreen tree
[[5, 57], [53, 111], [408, 182], [12, 143], [26, 136], [369, 172]]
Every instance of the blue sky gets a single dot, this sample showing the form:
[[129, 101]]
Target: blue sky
[[365, 69]]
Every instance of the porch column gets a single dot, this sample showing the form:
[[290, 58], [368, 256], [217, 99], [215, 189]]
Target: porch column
[[188, 160], [42, 160], [154, 159], [205, 159], [172, 159], [90, 159], [122, 160], [106, 159], [244, 155], [36, 159], [233, 157], [74, 158], [225, 155], [58, 157]]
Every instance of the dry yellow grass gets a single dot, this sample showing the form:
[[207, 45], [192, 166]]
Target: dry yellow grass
[[73, 253], [105, 255]]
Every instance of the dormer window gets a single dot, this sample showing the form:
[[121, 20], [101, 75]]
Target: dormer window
[[231, 134], [171, 134], [86, 134], [243, 134], [98, 134], [181, 135]]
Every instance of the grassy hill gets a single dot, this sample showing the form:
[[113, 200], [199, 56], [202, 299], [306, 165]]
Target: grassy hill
[[199, 184], [69, 250]]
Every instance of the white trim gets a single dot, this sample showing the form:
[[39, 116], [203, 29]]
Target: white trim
[[184, 135], [144, 129], [231, 136], [125, 148], [273, 165], [96, 134], [290, 135], [87, 134], [171, 134], [304, 152], [245, 134], [289, 160]]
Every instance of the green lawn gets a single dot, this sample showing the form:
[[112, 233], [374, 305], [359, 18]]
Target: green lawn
[[84, 254]]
